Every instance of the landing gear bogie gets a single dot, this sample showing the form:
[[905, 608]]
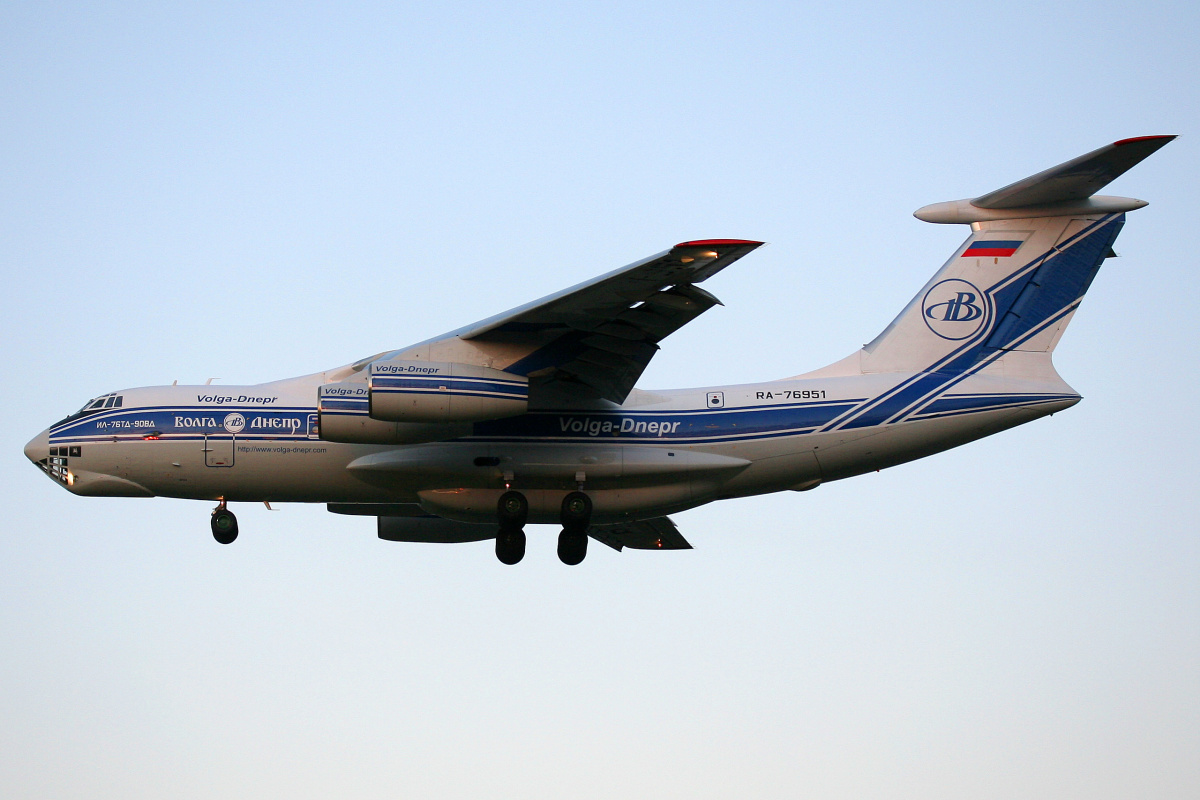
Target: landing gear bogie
[[512, 512]]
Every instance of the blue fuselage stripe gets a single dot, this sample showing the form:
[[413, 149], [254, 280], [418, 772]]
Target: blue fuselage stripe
[[685, 426]]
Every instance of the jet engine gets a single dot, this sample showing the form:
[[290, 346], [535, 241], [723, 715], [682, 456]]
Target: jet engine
[[342, 416], [439, 392]]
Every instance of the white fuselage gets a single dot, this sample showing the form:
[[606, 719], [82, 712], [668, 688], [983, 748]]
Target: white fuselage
[[657, 453]]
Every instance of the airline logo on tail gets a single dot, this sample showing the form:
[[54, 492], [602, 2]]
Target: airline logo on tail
[[954, 309]]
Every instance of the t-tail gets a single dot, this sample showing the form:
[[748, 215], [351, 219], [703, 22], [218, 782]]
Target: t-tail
[[1000, 304]]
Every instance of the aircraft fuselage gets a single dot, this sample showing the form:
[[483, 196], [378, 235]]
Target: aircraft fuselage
[[659, 453]]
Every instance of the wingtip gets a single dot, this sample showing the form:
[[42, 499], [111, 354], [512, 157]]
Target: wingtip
[[718, 242], [1133, 139]]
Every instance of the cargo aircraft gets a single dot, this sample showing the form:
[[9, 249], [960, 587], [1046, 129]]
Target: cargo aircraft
[[531, 416]]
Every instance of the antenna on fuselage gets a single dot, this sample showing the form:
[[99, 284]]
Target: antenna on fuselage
[[210, 380]]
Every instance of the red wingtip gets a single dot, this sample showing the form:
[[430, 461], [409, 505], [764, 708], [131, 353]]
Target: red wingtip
[[1140, 139], [716, 242]]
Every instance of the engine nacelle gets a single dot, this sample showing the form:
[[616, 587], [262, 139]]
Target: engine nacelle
[[439, 391], [342, 416]]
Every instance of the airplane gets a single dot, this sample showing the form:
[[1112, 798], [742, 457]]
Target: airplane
[[531, 416]]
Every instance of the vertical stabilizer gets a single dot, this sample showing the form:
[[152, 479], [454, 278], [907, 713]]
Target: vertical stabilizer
[[1014, 284]]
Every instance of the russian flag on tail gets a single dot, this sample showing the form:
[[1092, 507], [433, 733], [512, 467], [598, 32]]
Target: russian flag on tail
[[991, 249]]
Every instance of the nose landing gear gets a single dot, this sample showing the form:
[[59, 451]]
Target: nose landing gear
[[512, 510], [576, 515], [224, 524]]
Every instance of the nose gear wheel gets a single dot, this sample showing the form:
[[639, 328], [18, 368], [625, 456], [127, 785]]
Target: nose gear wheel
[[224, 525]]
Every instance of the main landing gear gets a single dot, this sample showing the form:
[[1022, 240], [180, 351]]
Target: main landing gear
[[224, 524], [512, 511], [576, 515]]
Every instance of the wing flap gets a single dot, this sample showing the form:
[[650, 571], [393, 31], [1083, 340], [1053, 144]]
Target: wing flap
[[621, 347], [658, 533]]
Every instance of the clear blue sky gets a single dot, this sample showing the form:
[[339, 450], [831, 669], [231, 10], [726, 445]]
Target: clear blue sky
[[254, 191]]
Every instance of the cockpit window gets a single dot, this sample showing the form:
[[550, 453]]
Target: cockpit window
[[92, 406]]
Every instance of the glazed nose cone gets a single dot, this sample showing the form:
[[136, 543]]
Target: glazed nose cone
[[38, 447]]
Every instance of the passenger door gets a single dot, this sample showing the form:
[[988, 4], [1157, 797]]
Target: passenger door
[[218, 450]]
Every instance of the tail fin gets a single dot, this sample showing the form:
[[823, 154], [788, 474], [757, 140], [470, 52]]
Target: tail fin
[[1034, 248]]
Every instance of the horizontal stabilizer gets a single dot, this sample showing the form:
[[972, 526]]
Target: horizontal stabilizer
[[1068, 189], [1077, 179]]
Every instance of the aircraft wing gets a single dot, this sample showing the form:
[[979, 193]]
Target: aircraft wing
[[601, 334], [659, 533]]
